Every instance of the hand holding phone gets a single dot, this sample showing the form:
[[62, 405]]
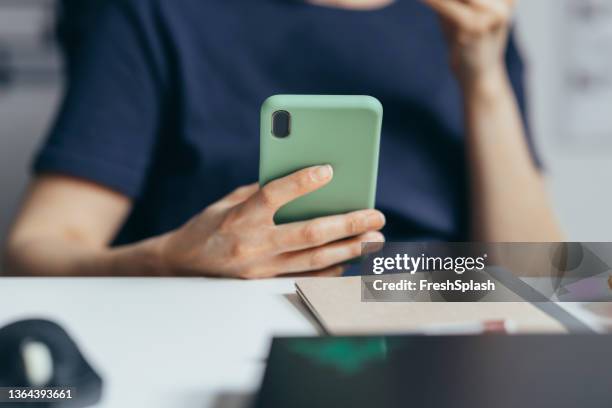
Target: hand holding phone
[[237, 236]]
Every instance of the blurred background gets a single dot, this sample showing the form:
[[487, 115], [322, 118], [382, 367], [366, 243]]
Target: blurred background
[[567, 45]]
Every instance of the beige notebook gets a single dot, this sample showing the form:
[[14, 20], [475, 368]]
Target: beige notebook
[[337, 305]]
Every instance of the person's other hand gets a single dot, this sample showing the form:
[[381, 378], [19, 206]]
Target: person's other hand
[[237, 237], [477, 32]]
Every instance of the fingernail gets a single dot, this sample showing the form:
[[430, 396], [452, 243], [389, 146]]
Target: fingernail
[[376, 219], [322, 173]]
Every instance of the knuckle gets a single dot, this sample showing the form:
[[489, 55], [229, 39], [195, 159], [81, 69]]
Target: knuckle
[[300, 183], [313, 233], [317, 260], [353, 224], [268, 198], [240, 250], [303, 181]]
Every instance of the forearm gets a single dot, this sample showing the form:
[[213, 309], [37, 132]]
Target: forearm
[[65, 227], [57, 257], [508, 196]]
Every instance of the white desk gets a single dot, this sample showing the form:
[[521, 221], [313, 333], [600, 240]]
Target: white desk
[[165, 342], [172, 342]]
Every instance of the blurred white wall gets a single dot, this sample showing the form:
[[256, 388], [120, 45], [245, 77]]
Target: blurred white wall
[[579, 173], [24, 117], [579, 179], [29, 92]]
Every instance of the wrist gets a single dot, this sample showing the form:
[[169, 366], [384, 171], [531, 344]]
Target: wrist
[[157, 257], [145, 258], [485, 83]]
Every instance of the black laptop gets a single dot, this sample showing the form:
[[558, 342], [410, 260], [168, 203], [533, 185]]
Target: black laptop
[[543, 371]]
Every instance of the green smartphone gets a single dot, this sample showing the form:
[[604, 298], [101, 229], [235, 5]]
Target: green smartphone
[[299, 131]]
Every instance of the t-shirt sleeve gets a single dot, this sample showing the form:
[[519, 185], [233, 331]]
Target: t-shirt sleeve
[[516, 72], [107, 125]]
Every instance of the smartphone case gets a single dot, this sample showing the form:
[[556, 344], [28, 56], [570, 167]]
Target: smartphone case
[[343, 131]]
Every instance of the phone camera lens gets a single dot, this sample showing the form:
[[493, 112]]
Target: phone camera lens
[[281, 123]]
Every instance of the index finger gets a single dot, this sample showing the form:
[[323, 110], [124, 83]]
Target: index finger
[[281, 191]]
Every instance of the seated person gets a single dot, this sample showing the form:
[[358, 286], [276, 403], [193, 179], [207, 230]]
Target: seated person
[[150, 166]]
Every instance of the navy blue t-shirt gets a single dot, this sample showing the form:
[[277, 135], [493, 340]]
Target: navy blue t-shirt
[[163, 104]]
